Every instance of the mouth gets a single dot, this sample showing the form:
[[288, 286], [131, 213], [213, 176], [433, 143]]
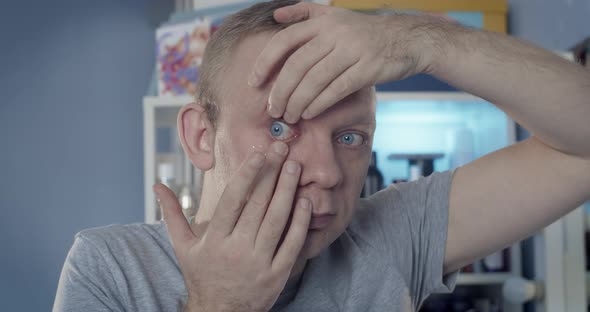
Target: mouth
[[319, 222]]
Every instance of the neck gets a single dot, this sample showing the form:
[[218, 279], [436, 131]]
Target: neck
[[207, 202]]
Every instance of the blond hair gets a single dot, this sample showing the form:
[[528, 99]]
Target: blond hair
[[250, 21]]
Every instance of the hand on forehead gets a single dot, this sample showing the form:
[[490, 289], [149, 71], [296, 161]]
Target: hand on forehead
[[307, 71]]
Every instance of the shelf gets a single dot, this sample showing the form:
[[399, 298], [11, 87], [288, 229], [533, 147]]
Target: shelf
[[167, 101], [483, 278], [165, 108]]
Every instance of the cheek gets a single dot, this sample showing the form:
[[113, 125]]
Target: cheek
[[354, 168], [234, 148]]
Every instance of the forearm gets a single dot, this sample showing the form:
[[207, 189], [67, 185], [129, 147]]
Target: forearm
[[545, 93]]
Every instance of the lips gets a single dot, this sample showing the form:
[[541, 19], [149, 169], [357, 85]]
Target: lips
[[320, 221]]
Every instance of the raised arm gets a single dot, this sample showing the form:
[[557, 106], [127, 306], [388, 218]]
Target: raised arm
[[496, 200], [507, 195]]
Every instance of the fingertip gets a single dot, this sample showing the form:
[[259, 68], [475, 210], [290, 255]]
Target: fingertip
[[281, 15], [305, 204], [156, 188], [273, 109], [253, 80], [293, 13], [257, 159], [307, 114]]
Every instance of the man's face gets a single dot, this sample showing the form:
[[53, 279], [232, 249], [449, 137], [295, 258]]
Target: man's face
[[333, 149]]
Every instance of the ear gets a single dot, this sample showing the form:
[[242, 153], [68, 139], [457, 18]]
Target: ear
[[196, 135]]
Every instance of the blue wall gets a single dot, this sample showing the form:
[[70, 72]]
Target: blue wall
[[552, 24], [72, 74], [72, 77]]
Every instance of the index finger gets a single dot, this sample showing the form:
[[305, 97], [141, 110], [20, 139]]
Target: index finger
[[234, 196], [299, 12], [278, 48]]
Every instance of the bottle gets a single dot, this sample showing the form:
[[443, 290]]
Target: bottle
[[167, 177], [495, 262], [374, 179], [187, 201], [461, 145]]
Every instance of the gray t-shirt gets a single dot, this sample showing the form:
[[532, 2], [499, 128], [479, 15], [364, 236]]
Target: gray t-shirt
[[390, 258]]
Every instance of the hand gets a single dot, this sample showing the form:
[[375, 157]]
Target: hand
[[336, 53], [238, 263]]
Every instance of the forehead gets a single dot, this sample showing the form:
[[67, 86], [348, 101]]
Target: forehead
[[240, 99]]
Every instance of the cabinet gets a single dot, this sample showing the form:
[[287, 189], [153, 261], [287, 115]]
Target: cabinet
[[159, 113]]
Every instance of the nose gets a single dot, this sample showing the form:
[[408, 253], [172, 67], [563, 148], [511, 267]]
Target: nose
[[319, 162]]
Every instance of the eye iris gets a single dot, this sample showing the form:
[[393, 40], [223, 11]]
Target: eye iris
[[276, 129], [347, 139]]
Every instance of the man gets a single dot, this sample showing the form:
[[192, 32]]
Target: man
[[282, 128]]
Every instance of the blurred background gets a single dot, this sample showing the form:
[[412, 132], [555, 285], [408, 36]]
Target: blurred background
[[80, 144]]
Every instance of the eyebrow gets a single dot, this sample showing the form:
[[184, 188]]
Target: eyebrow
[[364, 120]]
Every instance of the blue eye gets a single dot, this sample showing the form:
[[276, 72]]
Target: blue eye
[[280, 130], [352, 139]]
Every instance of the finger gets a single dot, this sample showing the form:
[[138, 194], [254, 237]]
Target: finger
[[178, 228], [316, 81], [278, 48], [279, 210], [234, 196], [295, 239], [352, 80], [294, 69], [299, 12], [255, 208]]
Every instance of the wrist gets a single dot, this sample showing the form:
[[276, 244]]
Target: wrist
[[433, 42], [453, 44]]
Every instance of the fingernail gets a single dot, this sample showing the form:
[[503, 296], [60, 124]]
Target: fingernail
[[271, 109], [257, 160], [306, 114], [253, 80], [292, 167], [290, 118], [305, 204], [280, 148]]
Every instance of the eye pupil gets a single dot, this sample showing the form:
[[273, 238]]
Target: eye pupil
[[276, 129], [347, 139]]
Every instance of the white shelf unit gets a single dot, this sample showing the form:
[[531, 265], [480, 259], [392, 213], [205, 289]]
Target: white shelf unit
[[157, 112], [497, 279]]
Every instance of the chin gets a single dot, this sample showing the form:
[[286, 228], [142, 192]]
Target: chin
[[315, 243]]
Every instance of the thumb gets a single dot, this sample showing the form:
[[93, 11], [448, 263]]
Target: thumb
[[299, 12], [178, 228]]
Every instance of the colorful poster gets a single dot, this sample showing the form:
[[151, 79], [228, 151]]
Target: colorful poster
[[179, 54]]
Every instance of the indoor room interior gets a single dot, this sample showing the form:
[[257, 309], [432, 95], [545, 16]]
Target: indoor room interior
[[90, 115]]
